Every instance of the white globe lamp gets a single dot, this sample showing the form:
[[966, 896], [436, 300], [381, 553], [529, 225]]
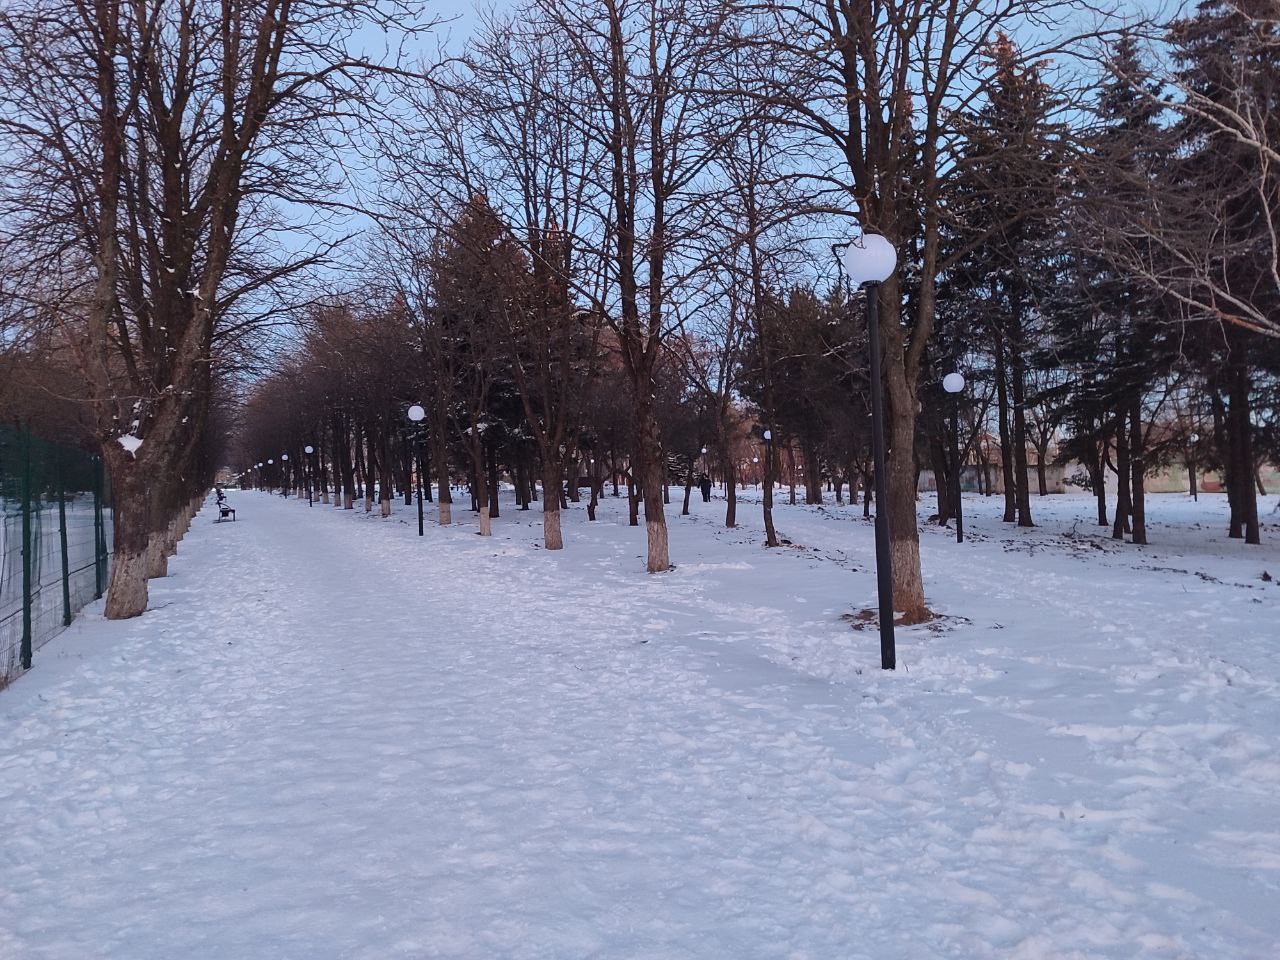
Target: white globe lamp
[[870, 259]]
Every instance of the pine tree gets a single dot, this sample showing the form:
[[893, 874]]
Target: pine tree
[[1129, 343], [479, 278], [1227, 189], [1006, 235]]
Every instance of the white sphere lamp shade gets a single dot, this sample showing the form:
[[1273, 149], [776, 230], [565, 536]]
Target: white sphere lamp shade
[[284, 457], [416, 413], [953, 382], [768, 434], [870, 259], [308, 449], [270, 462]]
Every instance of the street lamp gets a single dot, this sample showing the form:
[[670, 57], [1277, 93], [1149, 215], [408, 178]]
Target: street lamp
[[416, 415], [306, 471], [953, 383], [766, 481], [868, 262], [1191, 467]]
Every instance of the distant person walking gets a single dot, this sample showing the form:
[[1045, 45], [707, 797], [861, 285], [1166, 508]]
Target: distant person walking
[[704, 484]]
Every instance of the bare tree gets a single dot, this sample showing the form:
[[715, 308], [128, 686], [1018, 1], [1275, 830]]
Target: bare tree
[[649, 110], [147, 148], [874, 86]]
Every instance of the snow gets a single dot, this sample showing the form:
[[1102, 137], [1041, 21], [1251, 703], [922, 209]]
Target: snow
[[332, 739], [130, 443]]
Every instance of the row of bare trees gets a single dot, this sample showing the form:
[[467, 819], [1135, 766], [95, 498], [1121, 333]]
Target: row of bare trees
[[154, 157], [602, 235]]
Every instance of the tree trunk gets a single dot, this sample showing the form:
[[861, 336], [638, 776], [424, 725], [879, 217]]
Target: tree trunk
[[731, 494], [1241, 473], [1138, 470], [1098, 479], [386, 476], [573, 471], [904, 534], [791, 475], [345, 466], [812, 474], [480, 488], [1124, 471], [131, 493], [552, 537], [1002, 420], [491, 465], [649, 476], [1022, 472], [770, 533], [941, 477], [444, 495], [522, 485]]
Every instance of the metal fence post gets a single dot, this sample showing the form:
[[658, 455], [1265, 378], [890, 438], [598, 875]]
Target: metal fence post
[[62, 537], [25, 651]]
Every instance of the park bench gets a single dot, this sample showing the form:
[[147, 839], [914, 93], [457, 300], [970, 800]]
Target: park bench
[[225, 513]]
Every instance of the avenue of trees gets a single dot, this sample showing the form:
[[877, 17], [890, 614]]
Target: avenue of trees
[[604, 238]]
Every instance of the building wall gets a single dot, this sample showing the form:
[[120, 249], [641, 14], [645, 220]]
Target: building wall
[[1054, 476]]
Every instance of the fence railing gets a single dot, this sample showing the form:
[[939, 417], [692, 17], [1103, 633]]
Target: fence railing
[[55, 536]]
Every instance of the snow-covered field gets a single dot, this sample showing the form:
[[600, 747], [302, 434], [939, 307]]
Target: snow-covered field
[[331, 739]]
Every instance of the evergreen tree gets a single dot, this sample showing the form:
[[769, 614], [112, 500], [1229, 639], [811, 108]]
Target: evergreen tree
[[1005, 238], [1226, 193], [1120, 334]]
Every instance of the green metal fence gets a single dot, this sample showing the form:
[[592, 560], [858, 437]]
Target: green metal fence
[[55, 536]]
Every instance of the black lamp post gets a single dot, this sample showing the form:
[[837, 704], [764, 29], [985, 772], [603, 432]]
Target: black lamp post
[[416, 415], [868, 262], [1191, 465], [309, 450], [284, 475], [953, 383]]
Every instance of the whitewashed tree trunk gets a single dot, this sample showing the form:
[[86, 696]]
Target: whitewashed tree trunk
[[551, 536]]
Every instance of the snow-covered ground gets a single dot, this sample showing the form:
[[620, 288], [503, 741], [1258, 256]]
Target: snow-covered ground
[[331, 739]]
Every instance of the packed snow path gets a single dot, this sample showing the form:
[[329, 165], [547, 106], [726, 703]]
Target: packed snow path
[[331, 739]]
